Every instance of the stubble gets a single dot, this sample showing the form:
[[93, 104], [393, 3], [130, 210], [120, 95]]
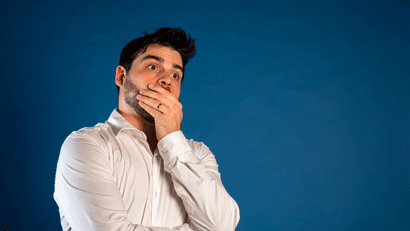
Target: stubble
[[130, 95]]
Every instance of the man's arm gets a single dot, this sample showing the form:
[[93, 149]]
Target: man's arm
[[197, 182], [85, 190]]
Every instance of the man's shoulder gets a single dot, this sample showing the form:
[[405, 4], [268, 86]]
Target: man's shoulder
[[196, 144], [100, 133], [98, 128], [202, 151], [199, 148]]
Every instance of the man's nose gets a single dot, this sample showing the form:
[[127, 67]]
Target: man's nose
[[165, 79]]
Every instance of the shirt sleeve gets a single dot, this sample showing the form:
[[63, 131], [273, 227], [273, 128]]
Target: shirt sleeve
[[85, 190], [197, 182]]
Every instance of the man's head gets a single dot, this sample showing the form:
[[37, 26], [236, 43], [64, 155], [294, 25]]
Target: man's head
[[174, 38], [157, 58]]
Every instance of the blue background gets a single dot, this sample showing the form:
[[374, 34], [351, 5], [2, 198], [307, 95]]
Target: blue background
[[305, 104]]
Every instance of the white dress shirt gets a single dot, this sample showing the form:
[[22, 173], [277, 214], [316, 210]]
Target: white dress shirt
[[107, 179]]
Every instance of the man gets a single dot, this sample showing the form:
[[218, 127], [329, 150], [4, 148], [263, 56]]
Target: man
[[137, 171]]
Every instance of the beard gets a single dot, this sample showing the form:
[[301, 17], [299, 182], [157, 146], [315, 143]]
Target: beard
[[130, 95]]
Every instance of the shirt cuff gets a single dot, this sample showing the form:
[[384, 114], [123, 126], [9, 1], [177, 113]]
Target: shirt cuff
[[173, 146]]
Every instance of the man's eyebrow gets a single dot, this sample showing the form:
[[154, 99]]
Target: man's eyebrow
[[178, 67], [161, 60], [153, 57]]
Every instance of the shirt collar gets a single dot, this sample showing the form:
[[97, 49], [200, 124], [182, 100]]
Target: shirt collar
[[118, 123]]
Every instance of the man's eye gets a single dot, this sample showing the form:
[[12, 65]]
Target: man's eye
[[152, 67], [175, 76]]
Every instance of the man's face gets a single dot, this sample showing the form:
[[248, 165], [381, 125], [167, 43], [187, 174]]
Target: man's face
[[159, 65]]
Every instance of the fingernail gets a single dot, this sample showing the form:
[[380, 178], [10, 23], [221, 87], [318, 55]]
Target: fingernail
[[151, 85]]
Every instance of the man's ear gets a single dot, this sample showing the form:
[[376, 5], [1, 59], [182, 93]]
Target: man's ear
[[120, 73]]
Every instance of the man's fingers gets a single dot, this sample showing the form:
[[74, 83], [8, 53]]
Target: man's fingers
[[171, 102], [152, 111], [160, 90], [153, 95], [153, 103]]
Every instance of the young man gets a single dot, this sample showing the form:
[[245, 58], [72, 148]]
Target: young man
[[137, 171]]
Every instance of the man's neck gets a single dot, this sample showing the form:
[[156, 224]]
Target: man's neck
[[143, 125]]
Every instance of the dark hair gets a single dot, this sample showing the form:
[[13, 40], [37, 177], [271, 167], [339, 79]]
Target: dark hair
[[175, 38]]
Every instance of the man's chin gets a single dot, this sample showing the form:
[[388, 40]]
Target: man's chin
[[133, 103], [144, 114], [149, 119]]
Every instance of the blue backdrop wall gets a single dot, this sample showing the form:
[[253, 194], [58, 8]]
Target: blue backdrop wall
[[305, 104]]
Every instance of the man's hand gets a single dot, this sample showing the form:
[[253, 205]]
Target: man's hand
[[168, 115]]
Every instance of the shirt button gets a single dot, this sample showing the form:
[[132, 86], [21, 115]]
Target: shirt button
[[156, 194]]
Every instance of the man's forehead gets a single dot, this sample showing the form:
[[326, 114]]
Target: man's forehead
[[163, 52]]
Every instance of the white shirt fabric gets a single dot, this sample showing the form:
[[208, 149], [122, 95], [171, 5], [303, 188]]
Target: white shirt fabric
[[107, 179]]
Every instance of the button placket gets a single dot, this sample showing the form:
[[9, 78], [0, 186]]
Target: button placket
[[155, 181]]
